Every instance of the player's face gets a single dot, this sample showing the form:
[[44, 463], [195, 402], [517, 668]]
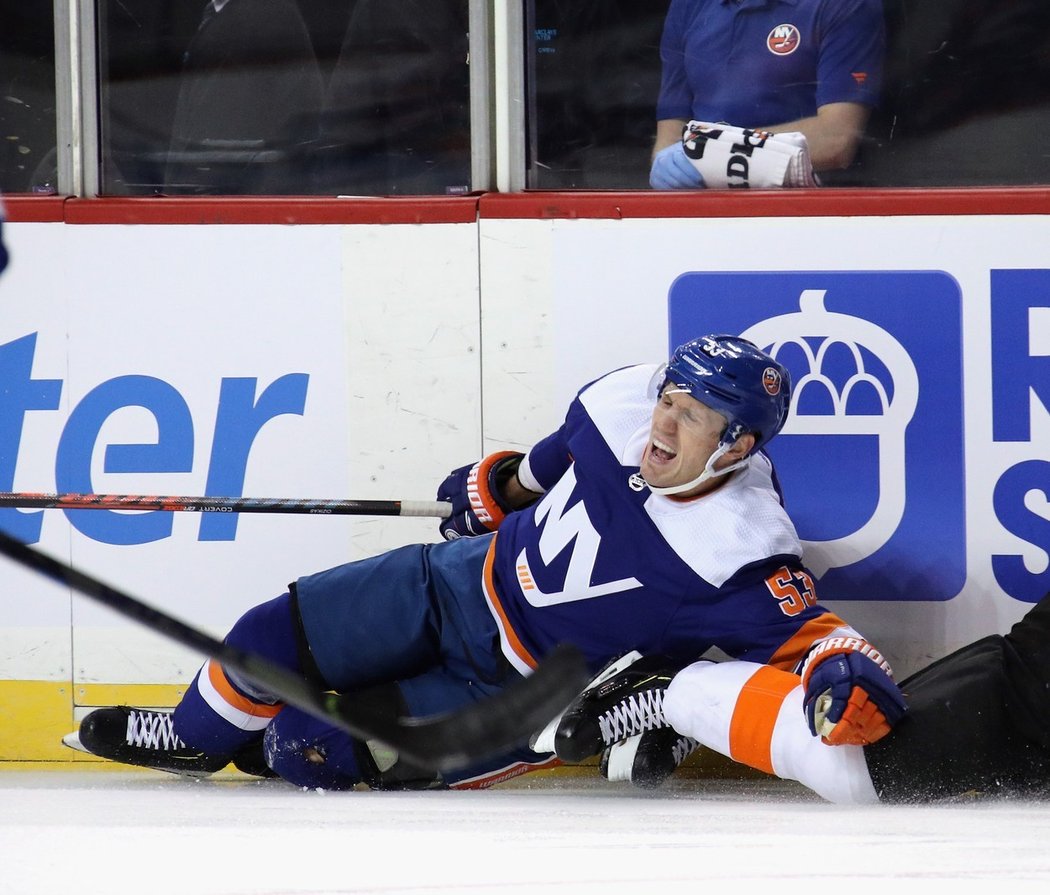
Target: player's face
[[683, 435]]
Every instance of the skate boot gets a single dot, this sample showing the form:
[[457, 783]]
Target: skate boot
[[647, 759], [623, 700], [142, 737]]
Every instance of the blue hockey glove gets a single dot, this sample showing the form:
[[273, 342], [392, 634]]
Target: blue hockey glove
[[851, 697], [672, 170], [476, 494]]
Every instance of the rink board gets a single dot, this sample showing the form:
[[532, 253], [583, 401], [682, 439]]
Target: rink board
[[365, 360]]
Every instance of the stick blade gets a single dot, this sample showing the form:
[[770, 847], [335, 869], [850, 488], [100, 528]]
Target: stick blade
[[481, 730]]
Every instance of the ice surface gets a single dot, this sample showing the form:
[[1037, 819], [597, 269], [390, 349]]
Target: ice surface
[[145, 833]]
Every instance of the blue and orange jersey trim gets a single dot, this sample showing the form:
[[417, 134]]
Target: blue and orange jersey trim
[[516, 652], [226, 701], [790, 653]]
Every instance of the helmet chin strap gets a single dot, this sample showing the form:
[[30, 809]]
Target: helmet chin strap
[[709, 472]]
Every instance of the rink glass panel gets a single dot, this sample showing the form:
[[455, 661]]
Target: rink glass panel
[[27, 97], [278, 97], [966, 86], [372, 97]]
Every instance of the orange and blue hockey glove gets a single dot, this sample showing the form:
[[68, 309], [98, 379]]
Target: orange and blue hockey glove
[[850, 695], [476, 494]]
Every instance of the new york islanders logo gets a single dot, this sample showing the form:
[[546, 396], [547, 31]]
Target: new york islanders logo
[[783, 40], [771, 381]]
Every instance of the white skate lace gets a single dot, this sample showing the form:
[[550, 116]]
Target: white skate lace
[[683, 748], [635, 714], [152, 730]]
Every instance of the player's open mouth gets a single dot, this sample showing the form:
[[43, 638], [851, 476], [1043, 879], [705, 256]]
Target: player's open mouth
[[661, 452]]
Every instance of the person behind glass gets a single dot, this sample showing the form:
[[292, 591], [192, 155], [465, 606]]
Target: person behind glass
[[808, 66]]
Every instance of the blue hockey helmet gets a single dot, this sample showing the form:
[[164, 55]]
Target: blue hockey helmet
[[734, 377]]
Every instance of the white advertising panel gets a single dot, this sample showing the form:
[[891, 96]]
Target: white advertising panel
[[257, 361]]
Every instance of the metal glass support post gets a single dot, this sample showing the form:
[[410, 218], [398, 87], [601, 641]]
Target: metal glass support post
[[76, 97], [482, 110], [509, 85]]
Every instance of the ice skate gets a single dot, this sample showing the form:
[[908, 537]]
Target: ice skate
[[141, 737], [647, 759], [625, 699]]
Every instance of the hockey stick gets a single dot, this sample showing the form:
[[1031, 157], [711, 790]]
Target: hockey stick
[[444, 742], [72, 501]]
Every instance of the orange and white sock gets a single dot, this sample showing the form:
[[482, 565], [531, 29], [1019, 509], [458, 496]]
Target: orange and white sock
[[232, 706], [753, 714]]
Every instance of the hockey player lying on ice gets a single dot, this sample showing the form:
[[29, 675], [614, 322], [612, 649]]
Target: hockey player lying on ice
[[978, 723], [650, 520]]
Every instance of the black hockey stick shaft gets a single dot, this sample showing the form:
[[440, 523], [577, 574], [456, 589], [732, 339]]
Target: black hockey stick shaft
[[177, 504], [440, 743]]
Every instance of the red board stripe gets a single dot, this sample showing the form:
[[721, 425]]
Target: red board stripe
[[531, 205]]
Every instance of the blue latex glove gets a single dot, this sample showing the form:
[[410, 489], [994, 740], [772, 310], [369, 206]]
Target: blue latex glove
[[672, 170], [850, 699], [476, 494]]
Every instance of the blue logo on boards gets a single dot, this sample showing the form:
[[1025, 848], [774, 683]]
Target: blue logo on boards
[[243, 408], [871, 460]]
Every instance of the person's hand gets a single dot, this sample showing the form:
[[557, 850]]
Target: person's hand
[[476, 494], [672, 170], [850, 695]]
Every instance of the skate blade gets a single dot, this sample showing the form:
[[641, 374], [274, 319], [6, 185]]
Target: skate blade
[[72, 740]]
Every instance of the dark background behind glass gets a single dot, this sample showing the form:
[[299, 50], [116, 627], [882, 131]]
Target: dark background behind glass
[[593, 67], [27, 96], [967, 96], [323, 97]]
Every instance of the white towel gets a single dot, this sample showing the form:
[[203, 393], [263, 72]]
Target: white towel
[[736, 157]]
